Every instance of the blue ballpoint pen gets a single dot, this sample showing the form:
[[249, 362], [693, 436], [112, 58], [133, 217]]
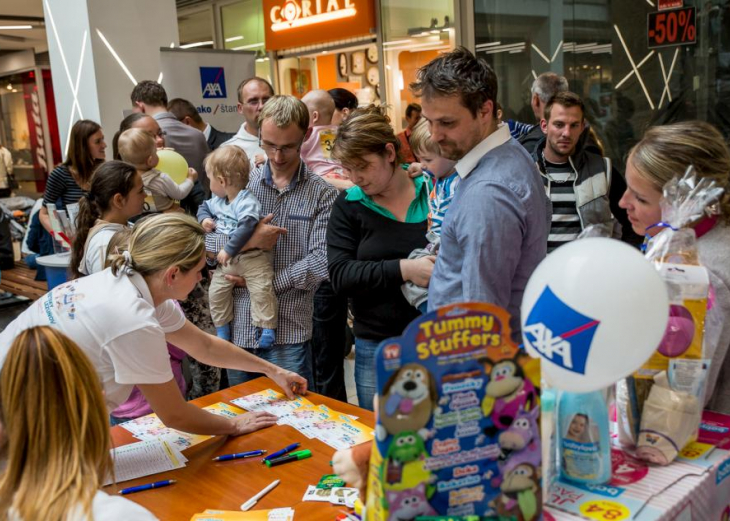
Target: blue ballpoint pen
[[239, 455], [148, 486], [281, 452]]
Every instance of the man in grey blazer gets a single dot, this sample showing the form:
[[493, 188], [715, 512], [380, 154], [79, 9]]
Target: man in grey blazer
[[149, 97], [186, 112]]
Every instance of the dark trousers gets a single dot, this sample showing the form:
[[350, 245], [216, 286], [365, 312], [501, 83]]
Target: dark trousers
[[329, 342]]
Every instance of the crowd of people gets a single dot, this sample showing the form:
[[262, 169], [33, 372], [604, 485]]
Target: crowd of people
[[311, 208]]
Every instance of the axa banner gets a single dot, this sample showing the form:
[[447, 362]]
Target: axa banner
[[209, 79]]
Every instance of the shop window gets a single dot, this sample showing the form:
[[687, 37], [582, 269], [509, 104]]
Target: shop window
[[593, 43], [243, 29], [196, 30], [21, 131], [414, 32]]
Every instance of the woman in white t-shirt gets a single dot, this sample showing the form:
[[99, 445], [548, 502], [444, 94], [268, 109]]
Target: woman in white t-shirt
[[116, 195], [56, 435], [122, 317]]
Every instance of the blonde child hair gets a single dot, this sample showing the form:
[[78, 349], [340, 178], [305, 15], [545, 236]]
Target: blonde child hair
[[136, 146], [56, 428], [421, 141], [230, 163]]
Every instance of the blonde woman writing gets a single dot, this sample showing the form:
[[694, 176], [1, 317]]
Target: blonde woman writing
[[56, 435], [122, 317]]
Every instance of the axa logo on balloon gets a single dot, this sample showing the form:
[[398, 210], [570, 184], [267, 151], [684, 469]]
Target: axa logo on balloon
[[213, 82], [559, 333]]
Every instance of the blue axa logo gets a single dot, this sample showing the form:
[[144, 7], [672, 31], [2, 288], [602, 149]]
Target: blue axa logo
[[213, 82], [559, 333]]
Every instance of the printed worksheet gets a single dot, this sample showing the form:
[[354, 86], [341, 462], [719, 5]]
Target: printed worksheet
[[271, 401], [144, 458], [150, 427], [336, 429]]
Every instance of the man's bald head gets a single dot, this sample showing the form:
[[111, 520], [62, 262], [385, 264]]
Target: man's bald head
[[321, 107]]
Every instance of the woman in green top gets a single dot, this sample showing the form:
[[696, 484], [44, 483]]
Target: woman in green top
[[372, 229]]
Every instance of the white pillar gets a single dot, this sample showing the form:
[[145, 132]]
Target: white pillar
[[99, 49]]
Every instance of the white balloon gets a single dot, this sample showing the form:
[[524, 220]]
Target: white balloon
[[593, 311]]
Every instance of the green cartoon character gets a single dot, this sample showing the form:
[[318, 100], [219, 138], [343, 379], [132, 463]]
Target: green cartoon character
[[404, 465], [405, 447]]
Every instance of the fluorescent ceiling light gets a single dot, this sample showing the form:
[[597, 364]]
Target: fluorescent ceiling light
[[14, 27], [116, 57], [234, 38], [196, 44], [394, 42], [250, 46]]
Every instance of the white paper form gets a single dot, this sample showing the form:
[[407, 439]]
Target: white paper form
[[143, 459]]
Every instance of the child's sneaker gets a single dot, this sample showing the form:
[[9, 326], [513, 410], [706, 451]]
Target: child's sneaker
[[267, 337]]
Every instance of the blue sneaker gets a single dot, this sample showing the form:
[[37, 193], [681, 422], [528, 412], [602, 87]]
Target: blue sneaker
[[224, 332], [267, 337], [423, 308]]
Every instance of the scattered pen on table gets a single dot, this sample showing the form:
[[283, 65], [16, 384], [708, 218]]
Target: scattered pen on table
[[240, 455], [293, 456], [148, 486], [281, 452], [251, 502]]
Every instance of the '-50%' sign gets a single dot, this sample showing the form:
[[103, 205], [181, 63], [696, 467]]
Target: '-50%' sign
[[669, 28]]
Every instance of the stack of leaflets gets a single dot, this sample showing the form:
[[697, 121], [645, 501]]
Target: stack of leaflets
[[150, 427], [336, 429]]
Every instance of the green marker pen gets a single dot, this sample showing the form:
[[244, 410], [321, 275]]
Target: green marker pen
[[294, 456]]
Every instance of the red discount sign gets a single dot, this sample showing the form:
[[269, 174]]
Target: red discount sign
[[675, 27]]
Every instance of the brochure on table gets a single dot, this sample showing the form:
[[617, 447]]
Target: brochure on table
[[457, 430]]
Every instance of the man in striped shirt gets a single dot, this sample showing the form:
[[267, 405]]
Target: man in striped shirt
[[581, 184]]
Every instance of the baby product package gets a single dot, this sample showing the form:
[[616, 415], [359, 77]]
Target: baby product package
[[669, 421], [458, 412], [687, 201]]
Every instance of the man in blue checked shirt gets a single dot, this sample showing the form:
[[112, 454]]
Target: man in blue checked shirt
[[300, 203]]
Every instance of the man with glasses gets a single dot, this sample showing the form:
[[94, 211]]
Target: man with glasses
[[300, 202], [252, 94]]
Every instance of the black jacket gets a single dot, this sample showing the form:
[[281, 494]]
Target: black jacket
[[217, 138]]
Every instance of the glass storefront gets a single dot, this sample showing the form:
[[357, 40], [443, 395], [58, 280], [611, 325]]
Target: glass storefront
[[196, 29], [354, 68], [243, 29], [414, 33], [602, 48]]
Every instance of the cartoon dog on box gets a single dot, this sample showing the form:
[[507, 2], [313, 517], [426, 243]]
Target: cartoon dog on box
[[407, 403]]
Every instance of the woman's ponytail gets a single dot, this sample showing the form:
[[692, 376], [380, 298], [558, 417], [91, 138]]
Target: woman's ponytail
[[110, 179]]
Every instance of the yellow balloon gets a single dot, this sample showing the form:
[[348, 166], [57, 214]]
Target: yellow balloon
[[172, 164]]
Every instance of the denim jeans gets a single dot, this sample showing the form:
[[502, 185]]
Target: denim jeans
[[365, 371], [292, 357], [329, 345]]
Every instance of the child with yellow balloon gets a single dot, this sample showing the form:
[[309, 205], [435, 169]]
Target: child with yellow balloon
[[165, 173]]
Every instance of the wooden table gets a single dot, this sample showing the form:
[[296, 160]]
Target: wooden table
[[205, 484]]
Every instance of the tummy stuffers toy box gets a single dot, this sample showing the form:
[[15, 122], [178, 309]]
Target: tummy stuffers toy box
[[457, 420]]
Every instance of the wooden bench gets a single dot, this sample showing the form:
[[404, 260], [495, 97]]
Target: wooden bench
[[21, 281]]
